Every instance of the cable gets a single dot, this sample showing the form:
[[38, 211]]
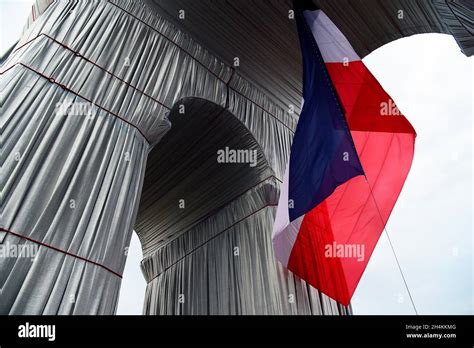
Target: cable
[[393, 249], [400, 268]]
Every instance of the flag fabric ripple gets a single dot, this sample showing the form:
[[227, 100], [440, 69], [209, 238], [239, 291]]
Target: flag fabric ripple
[[351, 153]]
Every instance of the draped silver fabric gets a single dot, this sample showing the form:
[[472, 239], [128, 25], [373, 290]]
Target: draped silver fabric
[[458, 19], [67, 183], [369, 24], [225, 265], [88, 153], [263, 36], [130, 67], [213, 253]]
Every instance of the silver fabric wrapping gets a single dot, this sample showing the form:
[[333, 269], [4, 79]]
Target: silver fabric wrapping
[[225, 265], [263, 36], [76, 52], [188, 172], [369, 24], [458, 18], [66, 183], [71, 183]]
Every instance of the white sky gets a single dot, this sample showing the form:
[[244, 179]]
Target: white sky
[[431, 226], [13, 16]]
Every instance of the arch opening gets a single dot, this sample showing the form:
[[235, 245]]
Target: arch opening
[[206, 160]]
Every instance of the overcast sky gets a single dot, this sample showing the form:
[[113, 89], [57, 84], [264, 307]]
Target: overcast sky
[[431, 226]]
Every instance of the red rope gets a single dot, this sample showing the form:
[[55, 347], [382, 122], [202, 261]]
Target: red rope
[[199, 62], [52, 80], [61, 251], [175, 44], [76, 53], [213, 237]]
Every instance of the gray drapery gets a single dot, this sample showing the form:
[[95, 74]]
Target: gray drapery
[[75, 188], [86, 96], [263, 36]]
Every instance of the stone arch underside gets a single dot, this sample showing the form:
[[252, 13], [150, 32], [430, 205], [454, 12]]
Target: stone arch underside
[[86, 94]]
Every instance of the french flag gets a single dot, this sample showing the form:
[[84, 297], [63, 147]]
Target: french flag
[[351, 153]]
